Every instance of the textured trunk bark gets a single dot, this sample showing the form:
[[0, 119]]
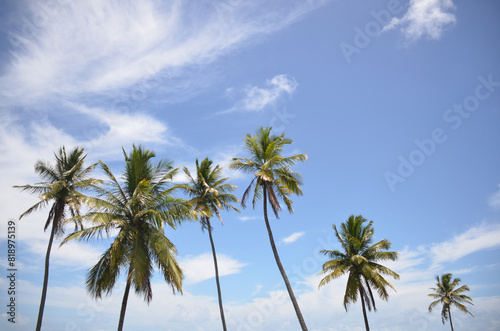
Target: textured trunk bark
[[219, 293], [124, 302], [280, 267], [45, 278]]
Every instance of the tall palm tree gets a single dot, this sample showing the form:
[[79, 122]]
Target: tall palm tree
[[61, 188], [359, 259], [138, 209], [447, 293], [273, 181], [210, 193]]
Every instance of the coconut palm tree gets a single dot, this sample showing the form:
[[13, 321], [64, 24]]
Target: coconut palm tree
[[359, 259], [447, 294], [137, 209], [210, 193], [273, 182], [62, 188]]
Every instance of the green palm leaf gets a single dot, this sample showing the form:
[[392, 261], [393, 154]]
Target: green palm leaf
[[273, 182], [359, 259]]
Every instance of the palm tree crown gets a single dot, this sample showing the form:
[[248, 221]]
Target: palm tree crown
[[273, 181], [138, 208], [62, 187], [359, 259], [272, 174], [210, 193], [447, 294]]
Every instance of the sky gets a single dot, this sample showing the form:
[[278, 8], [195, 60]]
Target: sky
[[396, 103]]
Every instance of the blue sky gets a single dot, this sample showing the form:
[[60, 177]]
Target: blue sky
[[396, 103]]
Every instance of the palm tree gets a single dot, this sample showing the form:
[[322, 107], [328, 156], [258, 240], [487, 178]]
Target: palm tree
[[359, 259], [209, 193], [61, 188], [137, 209], [273, 181], [447, 293]]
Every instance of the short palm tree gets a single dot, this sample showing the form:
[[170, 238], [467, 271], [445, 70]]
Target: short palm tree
[[61, 188], [138, 209], [447, 294], [210, 193], [359, 259], [273, 181]]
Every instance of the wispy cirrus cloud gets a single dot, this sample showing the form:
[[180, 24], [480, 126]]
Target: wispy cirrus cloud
[[425, 18], [101, 47], [475, 239], [254, 98]]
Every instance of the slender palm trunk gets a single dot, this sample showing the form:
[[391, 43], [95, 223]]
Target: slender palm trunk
[[280, 267], [449, 314], [362, 295], [124, 301], [221, 308], [45, 277]]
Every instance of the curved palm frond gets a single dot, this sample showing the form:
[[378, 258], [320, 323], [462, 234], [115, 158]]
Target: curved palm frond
[[359, 258], [449, 294], [137, 207]]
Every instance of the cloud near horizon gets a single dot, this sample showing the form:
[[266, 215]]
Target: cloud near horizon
[[199, 268]]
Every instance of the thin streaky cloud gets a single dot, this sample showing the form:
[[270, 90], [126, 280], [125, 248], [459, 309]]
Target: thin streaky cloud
[[477, 238], [95, 47]]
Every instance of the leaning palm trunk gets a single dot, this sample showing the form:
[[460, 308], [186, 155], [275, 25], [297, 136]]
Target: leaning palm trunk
[[124, 301], [280, 267], [451, 323], [45, 279], [221, 308], [364, 309], [56, 213]]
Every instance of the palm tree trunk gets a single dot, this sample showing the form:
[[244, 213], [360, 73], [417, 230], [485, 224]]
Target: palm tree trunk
[[221, 308], [280, 267], [449, 314], [45, 277], [362, 295], [124, 301]]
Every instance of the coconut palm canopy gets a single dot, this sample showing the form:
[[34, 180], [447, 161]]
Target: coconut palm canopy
[[361, 260], [449, 294]]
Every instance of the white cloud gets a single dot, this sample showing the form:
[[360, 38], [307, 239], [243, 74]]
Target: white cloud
[[100, 47], [74, 254], [425, 18], [118, 130], [258, 98], [477, 238], [494, 200], [271, 310], [292, 238], [199, 268], [248, 218]]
